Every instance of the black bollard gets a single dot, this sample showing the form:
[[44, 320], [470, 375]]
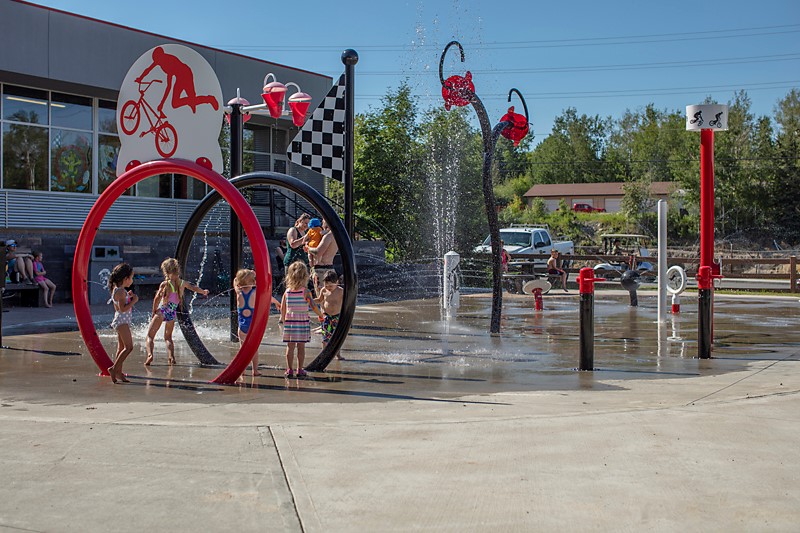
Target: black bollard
[[704, 312], [586, 281]]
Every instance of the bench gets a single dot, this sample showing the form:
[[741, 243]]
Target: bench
[[27, 295], [146, 281]]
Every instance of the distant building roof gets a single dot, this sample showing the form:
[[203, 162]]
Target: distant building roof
[[559, 190]]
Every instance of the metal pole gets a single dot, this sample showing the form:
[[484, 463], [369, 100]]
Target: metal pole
[[704, 280], [586, 287], [349, 58], [450, 293], [236, 228], [662, 261]]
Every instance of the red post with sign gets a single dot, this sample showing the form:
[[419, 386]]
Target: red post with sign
[[699, 117]]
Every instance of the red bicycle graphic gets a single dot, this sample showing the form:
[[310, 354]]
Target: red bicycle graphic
[[166, 138]]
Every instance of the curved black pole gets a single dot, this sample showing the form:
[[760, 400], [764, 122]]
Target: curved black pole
[[524, 105], [318, 202], [489, 137], [444, 53]]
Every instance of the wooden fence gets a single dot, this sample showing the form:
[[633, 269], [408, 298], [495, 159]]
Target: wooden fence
[[731, 268]]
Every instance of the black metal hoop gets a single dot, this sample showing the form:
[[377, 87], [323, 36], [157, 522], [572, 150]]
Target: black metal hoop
[[318, 202]]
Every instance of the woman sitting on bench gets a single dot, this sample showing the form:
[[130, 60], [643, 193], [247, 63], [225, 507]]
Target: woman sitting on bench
[[21, 264]]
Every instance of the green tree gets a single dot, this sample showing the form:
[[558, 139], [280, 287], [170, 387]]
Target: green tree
[[785, 192], [574, 152], [388, 185]]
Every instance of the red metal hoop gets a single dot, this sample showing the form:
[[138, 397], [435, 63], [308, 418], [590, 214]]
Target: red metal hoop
[[80, 265]]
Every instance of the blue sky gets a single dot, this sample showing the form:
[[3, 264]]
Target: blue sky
[[599, 57]]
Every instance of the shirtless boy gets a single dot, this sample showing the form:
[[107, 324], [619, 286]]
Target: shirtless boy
[[330, 299]]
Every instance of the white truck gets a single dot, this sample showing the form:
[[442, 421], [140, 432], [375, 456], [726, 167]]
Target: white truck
[[528, 239]]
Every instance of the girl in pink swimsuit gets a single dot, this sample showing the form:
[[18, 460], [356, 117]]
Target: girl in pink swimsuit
[[165, 307], [48, 286]]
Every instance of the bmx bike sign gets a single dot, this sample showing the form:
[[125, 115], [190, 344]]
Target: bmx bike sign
[[170, 106]]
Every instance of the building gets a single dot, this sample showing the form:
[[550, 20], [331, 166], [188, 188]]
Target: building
[[58, 92], [601, 195]]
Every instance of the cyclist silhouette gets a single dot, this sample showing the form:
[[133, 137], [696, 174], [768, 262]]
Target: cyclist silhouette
[[698, 119], [717, 121], [183, 83]]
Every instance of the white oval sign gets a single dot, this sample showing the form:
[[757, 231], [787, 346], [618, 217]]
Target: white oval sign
[[706, 117], [170, 106]]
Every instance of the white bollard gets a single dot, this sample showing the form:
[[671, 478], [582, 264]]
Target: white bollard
[[662, 261], [450, 292]]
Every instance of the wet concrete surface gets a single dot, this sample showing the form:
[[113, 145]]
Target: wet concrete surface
[[428, 425], [407, 350]]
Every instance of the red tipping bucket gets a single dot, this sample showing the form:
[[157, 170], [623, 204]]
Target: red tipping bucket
[[299, 103], [519, 126], [273, 95], [457, 90]]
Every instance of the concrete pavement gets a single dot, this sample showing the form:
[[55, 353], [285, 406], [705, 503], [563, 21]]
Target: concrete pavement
[[420, 429]]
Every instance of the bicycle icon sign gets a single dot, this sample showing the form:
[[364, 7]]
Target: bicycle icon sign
[[169, 107], [166, 138]]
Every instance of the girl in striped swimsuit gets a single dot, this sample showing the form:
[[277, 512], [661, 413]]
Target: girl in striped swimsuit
[[294, 314]]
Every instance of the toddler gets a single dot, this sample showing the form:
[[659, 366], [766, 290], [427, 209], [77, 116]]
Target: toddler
[[294, 316], [165, 307]]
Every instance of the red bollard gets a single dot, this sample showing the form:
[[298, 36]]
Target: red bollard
[[537, 299], [586, 282], [676, 304]]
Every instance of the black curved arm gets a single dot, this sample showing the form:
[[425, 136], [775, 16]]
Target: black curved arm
[[444, 53]]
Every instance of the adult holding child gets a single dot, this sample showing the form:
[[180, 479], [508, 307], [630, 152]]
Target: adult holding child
[[296, 239], [324, 252]]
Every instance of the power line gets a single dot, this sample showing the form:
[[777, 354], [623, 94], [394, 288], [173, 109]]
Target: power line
[[621, 92], [543, 43], [594, 68]]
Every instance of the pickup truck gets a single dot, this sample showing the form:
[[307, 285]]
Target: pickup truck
[[586, 208], [526, 239]]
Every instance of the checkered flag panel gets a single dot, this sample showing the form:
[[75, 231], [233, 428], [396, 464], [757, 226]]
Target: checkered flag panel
[[320, 143]]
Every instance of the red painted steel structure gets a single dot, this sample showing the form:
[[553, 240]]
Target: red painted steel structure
[[706, 199], [80, 265]]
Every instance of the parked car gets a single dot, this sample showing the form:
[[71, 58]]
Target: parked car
[[628, 244], [528, 239], [587, 208]]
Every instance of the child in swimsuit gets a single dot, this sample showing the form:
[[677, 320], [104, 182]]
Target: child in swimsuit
[[121, 277], [165, 307], [294, 315], [245, 286], [314, 234], [330, 299], [48, 286]]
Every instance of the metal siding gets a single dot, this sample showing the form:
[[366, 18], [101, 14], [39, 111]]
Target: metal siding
[[34, 209], [21, 31]]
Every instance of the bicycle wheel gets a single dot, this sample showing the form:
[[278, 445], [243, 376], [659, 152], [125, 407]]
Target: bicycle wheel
[[129, 118], [166, 140]]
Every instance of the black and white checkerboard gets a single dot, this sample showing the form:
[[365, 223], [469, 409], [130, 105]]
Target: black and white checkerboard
[[320, 143]]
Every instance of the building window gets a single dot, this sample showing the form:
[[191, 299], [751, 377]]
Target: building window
[[71, 161], [155, 186], [186, 187], [24, 157], [73, 112], [21, 104], [107, 153]]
